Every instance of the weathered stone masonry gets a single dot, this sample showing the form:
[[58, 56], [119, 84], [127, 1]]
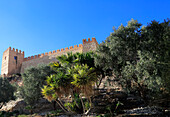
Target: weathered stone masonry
[[14, 62]]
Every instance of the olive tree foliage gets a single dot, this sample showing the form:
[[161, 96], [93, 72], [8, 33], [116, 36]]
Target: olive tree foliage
[[33, 80], [139, 57], [6, 91], [156, 48], [118, 48], [151, 72]]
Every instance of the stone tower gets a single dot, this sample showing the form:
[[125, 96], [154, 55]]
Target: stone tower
[[89, 45], [11, 61]]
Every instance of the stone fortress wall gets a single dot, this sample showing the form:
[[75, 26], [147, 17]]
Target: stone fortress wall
[[14, 62]]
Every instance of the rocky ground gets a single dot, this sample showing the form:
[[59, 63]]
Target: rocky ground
[[121, 105], [132, 106]]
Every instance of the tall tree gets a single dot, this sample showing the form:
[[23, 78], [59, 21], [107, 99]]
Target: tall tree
[[138, 56], [6, 91], [155, 47], [33, 80], [84, 79], [71, 76]]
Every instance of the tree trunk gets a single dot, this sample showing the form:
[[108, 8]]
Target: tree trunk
[[100, 80], [87, 112], [62, 107], [82, 104], [1, 105], [141, 89], [72, 94], [90, 102], [54, 105]]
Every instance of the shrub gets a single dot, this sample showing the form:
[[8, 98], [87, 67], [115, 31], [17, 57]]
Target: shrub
[[33, 80], [6, 91]]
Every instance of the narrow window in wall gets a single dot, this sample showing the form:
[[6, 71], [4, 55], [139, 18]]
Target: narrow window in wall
[[15, 58]]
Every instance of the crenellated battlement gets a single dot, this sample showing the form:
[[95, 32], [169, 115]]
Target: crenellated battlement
[[67, 49], [15, 51], [90, 41]]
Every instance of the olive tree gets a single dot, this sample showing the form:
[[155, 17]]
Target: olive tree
[[33, 80], [138, 56], [6, 91]]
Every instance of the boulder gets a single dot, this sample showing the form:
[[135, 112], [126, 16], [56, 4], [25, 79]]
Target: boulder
[[14, 105]]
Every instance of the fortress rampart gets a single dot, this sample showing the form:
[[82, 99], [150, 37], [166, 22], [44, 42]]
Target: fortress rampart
[[67, 49], [13, 61]]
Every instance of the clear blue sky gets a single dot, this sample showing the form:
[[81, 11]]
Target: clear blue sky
[[38, 26]]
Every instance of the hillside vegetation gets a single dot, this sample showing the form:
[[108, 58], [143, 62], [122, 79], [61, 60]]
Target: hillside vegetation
[[135, 56]]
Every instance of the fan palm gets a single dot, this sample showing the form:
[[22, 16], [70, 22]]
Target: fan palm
[[58, 85], [84, 79], [71, 76], [67, 60]]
